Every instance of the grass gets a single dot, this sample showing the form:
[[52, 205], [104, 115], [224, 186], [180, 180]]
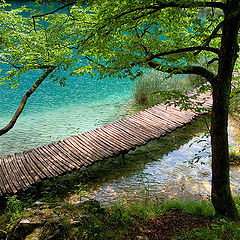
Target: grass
[[154, 87], [221, 229], [173, 219]]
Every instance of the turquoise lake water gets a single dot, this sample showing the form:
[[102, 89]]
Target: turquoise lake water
[[53, 112]]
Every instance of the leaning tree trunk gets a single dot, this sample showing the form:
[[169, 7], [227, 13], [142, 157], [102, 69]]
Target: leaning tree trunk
[[24, 100], [221, 192]]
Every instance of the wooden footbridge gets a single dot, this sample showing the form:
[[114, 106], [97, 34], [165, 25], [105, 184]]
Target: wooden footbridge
[[20, 171]]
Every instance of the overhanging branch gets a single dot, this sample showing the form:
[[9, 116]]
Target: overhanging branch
[[24, 100], [197, 70], [49, 13], [213, 35], [184, 50], [159, 6]]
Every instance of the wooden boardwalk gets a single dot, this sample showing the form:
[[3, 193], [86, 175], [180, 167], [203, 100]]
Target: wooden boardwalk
[[20, 171]]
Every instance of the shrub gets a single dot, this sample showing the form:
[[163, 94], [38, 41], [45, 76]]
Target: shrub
[[153, 86], [14, 206]]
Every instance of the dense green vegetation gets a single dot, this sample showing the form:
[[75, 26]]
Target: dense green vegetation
[[172, 219]]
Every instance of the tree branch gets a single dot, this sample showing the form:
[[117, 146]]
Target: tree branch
[[158, 7], [184, 50], [197, 70], [49, 13], [212, 61], [173, 4], [212, 36], [24, 100]]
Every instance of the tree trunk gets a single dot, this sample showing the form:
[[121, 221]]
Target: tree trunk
[[221, 193]]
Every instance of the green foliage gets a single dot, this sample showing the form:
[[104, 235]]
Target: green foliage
[[200, 208], [120, 36], [221, 229], [115, 222], [14, 206], [89, 220], [235, 96], [81, 192], [205, 149], [120, 215], [28, 45], [107, 38]]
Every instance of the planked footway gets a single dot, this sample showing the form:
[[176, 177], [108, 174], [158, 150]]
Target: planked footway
[[20, 171]]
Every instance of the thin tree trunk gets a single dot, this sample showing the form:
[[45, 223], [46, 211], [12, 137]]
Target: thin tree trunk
[[24, 100], [221, 192]]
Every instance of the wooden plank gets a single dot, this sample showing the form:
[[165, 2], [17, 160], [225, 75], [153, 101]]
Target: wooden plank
[[169, 124], [20, 171], [57, 164], [86, 142], [3, 180], [88, 146], [82, 152], [169, 115], [150, 128], [118, 135], [112, 147], [119, 139], [35, 172], [103, 142], [80, 155], [38, 161], [172, 115], [188, 112], [129, 133], [115, 146], [53, 169], [150, 124], [14, 177], [17, 171], [98, 143], [88, 151], [25, 170], [179, 114], [66, 164], [158, 122], [72, 156], [137, 131], [143, 128], [8, 176]]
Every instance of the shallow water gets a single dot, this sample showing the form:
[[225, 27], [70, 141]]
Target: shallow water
[[53, 112]]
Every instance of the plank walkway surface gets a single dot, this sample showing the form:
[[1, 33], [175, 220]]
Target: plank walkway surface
[[20, 171]]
